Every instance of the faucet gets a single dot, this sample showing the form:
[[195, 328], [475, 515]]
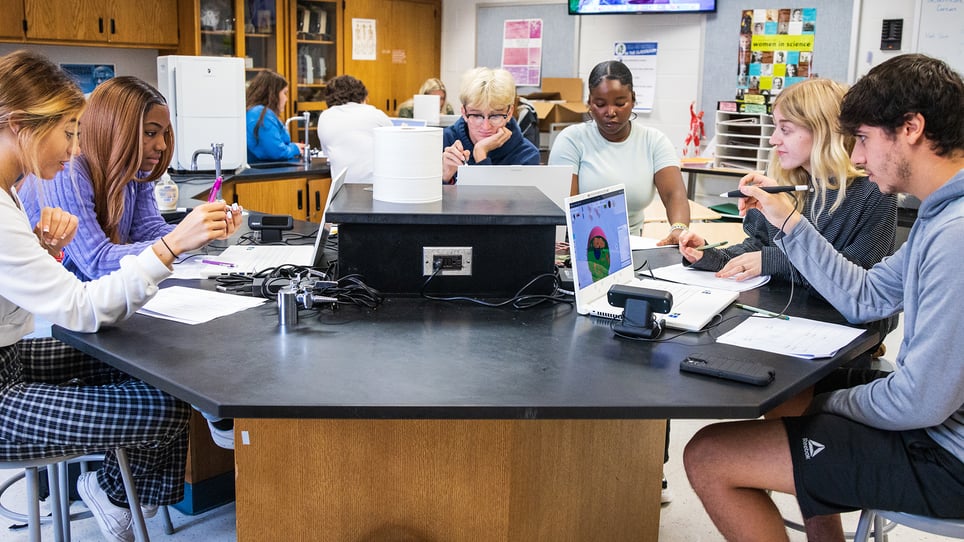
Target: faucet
[[217, 151], [306, 117]]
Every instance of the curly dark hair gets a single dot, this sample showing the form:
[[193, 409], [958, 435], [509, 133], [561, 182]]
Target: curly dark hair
[[903, 86], [345, 89]]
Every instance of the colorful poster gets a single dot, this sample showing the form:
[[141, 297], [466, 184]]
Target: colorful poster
[[522, 51], [89, 76], [775, 50], [363, 39], [640, 58]]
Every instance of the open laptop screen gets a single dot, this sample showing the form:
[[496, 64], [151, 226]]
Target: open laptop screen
[[599, 235]]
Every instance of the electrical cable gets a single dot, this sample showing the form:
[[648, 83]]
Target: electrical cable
[[519, 301]]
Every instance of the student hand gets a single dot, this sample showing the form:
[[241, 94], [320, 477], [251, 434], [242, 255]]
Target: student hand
[[776, 208], [234, 215], [453, 156], [742, 267], [204, 224], [301, 147], [688, 241], [55, 229], [488, 144], [672, 238]]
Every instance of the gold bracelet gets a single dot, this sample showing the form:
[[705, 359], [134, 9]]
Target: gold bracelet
[[168, 247], [678, 226]]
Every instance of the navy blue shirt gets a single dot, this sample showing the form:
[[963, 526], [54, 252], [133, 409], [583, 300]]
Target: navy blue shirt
[[517, 151]]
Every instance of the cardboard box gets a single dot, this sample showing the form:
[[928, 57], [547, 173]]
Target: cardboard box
[[560, 100]]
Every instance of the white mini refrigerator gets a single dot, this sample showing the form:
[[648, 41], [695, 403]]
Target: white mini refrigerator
[[205, 96]]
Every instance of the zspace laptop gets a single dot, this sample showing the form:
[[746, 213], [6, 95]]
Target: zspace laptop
[[250, 259], [601, 256]]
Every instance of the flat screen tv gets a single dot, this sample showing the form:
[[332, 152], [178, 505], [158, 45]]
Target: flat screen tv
[[595, 7]]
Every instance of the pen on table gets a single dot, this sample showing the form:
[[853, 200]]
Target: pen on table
[[216, 262], [768, 189], [764, 312], [215, 190], [711, 245]]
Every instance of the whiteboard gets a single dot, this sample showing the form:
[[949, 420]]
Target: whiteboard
[[940, 31]]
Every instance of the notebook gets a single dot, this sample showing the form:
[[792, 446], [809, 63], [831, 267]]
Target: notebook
[[601, 256], [250, 259]]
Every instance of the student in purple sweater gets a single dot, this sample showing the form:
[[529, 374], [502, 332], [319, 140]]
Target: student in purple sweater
[[126, 144]]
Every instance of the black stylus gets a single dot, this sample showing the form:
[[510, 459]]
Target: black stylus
[[770, 189]]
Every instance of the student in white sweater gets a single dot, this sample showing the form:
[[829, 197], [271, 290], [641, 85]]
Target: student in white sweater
[[346, 130], [55, 400]]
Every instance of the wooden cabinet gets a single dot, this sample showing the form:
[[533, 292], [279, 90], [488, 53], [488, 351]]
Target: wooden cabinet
[[316, 35], [249, 29], [407, 47], [302, 198], [11, 24], [743, 140], [147, 23]]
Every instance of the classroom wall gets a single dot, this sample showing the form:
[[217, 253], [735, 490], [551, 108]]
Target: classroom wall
[[872, 14], [140, 63]]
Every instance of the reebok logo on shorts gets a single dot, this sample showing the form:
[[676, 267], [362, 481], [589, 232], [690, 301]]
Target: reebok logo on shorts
[[811, 448]]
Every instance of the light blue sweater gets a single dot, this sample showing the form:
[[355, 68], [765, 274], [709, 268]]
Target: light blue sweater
[[924, 279]]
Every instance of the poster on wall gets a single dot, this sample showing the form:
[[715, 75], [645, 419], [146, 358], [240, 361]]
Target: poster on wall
[[363, 39], [640, 58], [89, 76], [775, 51], [522, 51]]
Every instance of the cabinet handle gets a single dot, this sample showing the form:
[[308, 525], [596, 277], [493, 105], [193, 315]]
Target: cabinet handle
[[387, 101], [100, 25], [394, 104], [113, 30], [317, 200], [301, 196]]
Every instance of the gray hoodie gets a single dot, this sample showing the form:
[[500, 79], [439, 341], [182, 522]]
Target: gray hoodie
[[924, 278]]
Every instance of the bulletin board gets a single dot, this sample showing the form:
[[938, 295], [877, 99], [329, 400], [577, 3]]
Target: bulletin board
[[559, 31], [940, 31]]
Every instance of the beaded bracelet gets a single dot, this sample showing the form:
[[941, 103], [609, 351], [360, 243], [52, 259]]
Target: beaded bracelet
[[679, 226]]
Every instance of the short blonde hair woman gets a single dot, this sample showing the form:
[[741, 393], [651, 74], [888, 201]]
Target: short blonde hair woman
[[433, 86]]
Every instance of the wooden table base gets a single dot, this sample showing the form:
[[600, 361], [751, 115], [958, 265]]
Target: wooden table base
[[448, 480]]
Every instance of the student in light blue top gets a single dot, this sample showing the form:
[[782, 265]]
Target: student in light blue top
[[615, 148], [268, 140]]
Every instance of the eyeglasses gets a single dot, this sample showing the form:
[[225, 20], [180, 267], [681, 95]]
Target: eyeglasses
[[495, 119]]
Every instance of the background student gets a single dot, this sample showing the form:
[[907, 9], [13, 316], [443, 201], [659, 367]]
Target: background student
[[487, 134], [431, 86], [887, 441], [127, 144], [346, 130], [268, 139], [54, 399], [617, 148]]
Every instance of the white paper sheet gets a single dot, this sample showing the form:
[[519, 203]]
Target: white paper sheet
[[195, 306], [798, 337], [708, 279]]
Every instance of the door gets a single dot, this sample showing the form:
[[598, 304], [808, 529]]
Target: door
[[359, 32], [279, 197], [415, 48]]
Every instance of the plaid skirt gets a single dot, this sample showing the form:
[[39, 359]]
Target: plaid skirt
[[55, 400]]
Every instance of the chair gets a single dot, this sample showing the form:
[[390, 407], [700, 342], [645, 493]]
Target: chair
[[882, 521], [60, 513]]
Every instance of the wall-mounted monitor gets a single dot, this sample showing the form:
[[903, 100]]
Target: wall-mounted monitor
[[595, 7]]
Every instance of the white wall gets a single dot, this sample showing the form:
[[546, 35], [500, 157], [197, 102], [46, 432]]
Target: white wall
[[140, 63], [679, 62], [872, 14]]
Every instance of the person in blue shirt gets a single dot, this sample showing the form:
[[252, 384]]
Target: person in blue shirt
[[487, 134], [268, 140]]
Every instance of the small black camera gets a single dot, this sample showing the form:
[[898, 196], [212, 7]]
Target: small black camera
[[270, 226], [639, 304]]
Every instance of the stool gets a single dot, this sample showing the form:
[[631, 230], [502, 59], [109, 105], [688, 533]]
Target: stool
[[944, 527]]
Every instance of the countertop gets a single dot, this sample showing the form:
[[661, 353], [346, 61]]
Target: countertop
[[193, 186]]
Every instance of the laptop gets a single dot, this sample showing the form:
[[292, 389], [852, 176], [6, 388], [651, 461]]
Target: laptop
[[399, 121], [554, 181], [601, 257], [250, 259]]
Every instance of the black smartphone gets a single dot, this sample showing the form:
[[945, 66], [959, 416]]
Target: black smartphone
[[730, 369]]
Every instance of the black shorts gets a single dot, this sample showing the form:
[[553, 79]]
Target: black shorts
[[840, 465]]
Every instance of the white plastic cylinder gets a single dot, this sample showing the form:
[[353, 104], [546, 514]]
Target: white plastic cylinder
[[408, 164]]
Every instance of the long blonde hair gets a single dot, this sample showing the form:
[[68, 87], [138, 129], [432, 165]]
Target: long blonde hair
[[36, 95], [815, 105]]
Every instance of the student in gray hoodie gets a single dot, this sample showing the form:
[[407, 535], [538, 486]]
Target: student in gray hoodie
[[891, 441]]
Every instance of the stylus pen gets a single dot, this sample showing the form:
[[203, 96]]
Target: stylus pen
[[711, 245], [764, 312], [768, 189], [216, 262]]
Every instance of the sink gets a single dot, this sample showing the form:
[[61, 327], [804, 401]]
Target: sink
[[273, 165]]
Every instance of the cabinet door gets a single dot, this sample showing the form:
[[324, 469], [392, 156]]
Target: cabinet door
[[66, 20], [279, 197], [316, 57], [11, 24], [367, 33], [264, 23], [147, 22], [317, 196], [416, 47]]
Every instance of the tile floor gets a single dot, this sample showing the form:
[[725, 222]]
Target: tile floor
[[681, 521]]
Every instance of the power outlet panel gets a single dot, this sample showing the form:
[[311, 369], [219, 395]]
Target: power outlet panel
[[454, 260]]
